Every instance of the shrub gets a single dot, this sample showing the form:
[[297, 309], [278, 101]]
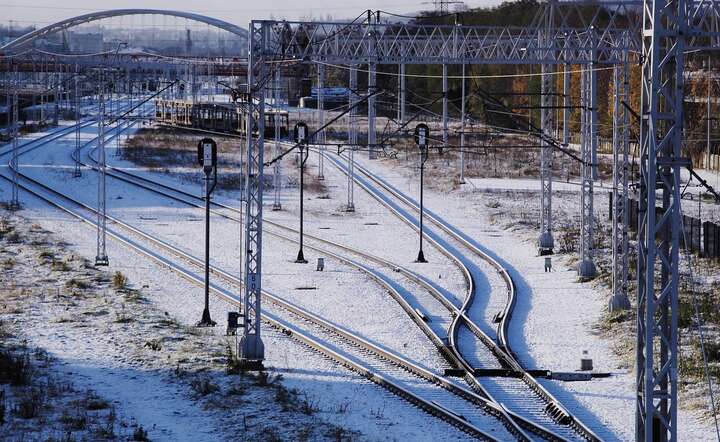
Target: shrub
[[15, 369], [203, 387], [140, 435], [30, 403], [119, 281], [76, 283]]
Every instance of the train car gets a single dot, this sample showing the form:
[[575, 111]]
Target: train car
[[228, 118]]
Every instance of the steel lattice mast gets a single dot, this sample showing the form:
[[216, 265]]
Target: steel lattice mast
[[15, 197], [251, 348], [101, 257], [663, 39], [621, 170], [321, 121], [546, 242], [588, 145], [277, 177]]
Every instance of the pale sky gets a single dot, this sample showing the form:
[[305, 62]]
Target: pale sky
[[240, 12]]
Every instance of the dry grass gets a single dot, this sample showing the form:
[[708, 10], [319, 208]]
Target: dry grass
[[165, 149]]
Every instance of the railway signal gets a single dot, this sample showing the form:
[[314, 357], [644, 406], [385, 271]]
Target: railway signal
[[207, 158], [301, 133], [422, 132]]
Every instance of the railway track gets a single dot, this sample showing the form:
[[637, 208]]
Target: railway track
[[547, 418], [430, 392], [519, 388]]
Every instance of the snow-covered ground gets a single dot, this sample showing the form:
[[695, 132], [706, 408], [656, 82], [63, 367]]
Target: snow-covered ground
[[553, 324], [556, 318], [374, 412]]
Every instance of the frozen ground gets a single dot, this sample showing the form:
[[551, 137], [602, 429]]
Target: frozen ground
[[375, 413], [556, 317], [554, 321]]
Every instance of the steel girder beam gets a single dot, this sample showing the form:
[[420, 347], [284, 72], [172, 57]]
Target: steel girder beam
[[28, 38], [412, 43], [621, 169], [251, 348]]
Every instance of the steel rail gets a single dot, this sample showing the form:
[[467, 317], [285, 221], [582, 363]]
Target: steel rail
[[451, 352], [554, 407], [510, 417], [426, 284], [418, 371]]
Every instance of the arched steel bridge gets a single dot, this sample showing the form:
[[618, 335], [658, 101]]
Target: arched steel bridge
[[28, 38]]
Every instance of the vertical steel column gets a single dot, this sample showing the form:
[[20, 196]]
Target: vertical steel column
[[566, 95], [43, 87], [401, 118], [546, 242], [321, 121], [661, 131], [709, 83], [445, 105], [251, 347], [371, 112], [76, 153], [586, 267], [352, 139], [15, 196], [56, 89], [277, 176], [462, 127], [593, 77], [101, 258], [619, 299]]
